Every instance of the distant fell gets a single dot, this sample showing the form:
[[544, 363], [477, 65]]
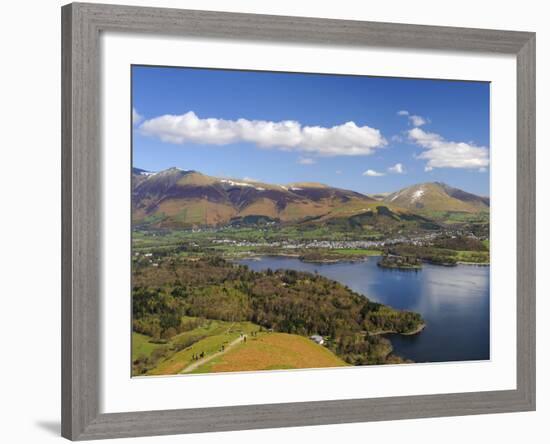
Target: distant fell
[[437, 197]]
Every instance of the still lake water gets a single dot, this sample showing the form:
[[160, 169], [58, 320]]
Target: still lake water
[[454, 301]]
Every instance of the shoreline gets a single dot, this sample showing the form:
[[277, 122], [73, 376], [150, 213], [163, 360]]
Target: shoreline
[[415, 268], [478, 264], [258, 256], [333, 261], [417, 330]]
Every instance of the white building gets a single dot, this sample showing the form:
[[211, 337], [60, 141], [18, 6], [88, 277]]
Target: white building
[[318, 339]]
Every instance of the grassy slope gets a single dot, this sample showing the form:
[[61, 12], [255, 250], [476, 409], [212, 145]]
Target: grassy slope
[[218, 333], [266, 351], [273, 351]]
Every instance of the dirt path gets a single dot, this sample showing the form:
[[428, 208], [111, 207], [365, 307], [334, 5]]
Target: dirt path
[[206, 359]]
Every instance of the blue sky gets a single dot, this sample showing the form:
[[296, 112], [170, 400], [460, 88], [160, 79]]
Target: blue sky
[[368, 134]]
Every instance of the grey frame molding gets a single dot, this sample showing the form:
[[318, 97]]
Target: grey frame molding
[[81, 171]]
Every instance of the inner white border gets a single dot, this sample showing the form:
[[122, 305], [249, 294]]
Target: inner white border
[[121, 393]]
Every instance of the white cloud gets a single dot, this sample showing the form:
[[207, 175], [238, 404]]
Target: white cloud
[[441, 153], [417, 120], [306, 161], [414, 119], [338, 171], [347, 139], [483, 170], [397, 168], [136, 117], [373, 173]]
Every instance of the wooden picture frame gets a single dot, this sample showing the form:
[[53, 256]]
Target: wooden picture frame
[[81, 172]]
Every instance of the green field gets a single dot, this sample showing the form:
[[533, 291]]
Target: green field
[[477, 257], [142, 345]]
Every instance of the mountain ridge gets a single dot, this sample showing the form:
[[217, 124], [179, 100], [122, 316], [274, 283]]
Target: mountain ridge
[[177, 198]]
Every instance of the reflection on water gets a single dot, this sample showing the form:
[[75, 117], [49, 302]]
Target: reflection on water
[[454, 301]]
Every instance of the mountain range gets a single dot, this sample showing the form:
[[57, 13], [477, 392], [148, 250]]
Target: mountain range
[[176, 198]]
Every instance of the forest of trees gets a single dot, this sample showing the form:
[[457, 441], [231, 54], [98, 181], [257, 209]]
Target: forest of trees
[[405, 262], [284, 300]]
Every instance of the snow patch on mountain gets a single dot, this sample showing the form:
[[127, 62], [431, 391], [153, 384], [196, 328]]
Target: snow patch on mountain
[[417, 195], [241, 184], [396, 196]]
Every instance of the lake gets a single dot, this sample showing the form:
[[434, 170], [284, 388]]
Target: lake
[[454, 301]]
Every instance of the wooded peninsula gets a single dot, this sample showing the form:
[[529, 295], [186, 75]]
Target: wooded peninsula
[[177, 296]]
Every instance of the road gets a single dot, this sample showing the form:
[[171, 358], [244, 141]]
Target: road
[[194, 365]]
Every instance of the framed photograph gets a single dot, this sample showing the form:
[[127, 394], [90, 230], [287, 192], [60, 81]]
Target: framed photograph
[[278, 221]]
